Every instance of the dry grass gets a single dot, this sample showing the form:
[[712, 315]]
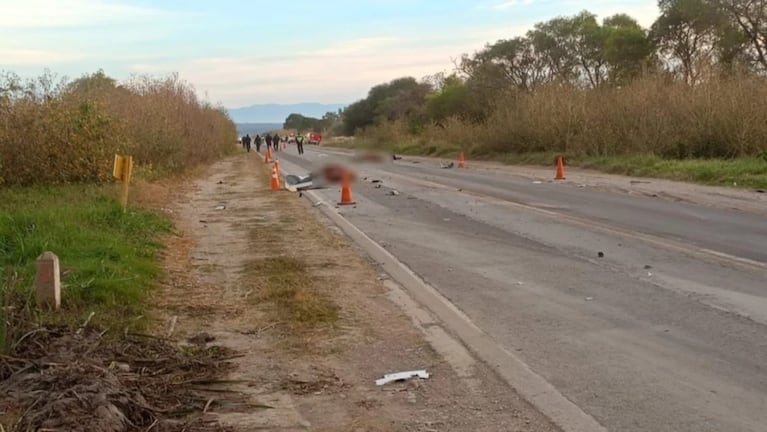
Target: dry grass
[[292, 294], [59, 131], [650, 120]]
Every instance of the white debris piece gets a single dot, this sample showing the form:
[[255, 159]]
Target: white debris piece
[[401, 376]]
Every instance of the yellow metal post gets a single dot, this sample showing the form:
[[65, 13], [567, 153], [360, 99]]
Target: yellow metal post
[[127, 174], [123, 170], [117, 169]]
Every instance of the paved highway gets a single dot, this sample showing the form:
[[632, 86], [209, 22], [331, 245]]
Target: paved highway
[[649, 315]]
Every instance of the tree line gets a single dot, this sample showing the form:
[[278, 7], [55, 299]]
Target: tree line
[[570, 69], [302, 123]]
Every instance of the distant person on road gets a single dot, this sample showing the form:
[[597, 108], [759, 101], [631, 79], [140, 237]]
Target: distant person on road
[[300, 144], [268, 139], [247, 140], [242, 142], [258, 139], [276, 143]]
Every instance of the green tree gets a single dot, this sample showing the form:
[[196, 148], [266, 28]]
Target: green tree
[[750, 16], [302, 123], [627, 47], [399, 99], [691, 35], [454, 99], [554, 42]]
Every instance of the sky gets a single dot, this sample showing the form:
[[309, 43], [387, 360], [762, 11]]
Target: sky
[[239, 52]]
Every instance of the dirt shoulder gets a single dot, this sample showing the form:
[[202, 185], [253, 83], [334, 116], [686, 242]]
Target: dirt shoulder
[[314, 323]]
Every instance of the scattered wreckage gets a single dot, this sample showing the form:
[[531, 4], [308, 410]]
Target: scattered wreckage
[[332, 173]]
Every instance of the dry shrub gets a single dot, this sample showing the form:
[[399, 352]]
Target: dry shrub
[[76, 380], [58, 132], [723, 117]]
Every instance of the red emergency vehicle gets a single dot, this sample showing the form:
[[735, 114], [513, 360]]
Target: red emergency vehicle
[[314, 138]]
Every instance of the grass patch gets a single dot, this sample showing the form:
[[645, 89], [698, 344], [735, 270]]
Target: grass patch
[[109, 259], [285, 283], [742, 172]]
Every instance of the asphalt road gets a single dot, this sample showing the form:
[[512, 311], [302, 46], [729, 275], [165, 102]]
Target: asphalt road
[[667, 331]]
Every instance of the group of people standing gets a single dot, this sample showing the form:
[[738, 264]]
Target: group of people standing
[[271, 141]]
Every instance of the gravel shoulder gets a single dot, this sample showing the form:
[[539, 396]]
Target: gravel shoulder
[[319, 376]]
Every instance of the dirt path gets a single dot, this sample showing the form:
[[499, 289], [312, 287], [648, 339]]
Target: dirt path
[[263, 273]]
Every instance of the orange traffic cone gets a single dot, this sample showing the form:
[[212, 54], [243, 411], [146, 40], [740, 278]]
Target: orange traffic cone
[[461, 161], [346, 190], [275, 178], [277, 165], [560, 168], [268, 157]]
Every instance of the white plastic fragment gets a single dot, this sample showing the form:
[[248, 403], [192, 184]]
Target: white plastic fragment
[[401, 376]]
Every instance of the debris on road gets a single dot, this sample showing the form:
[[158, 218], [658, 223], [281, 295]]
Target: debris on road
[[295, 183], [760, 191], [221, 207], [402, 376], [446, 165], [601, 254], [537, 182], [394, 192], [395, 157], [647, 267], [589, 298]]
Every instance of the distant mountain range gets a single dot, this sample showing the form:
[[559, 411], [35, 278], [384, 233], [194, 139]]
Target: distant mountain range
[[275, 113]]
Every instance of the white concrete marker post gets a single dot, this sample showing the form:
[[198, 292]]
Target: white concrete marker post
[[48, 281]]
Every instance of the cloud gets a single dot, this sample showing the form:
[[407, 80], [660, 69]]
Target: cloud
[[511, 3], [333, 73], [354, 46], [23, 57], [41, 14]]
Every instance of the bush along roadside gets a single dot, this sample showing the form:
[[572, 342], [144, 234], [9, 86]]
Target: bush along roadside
[[56, 132]]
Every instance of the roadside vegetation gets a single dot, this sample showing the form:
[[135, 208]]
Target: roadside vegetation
[[57, 143], [58, 139], [685, 99], [53, 130], [109, 260]]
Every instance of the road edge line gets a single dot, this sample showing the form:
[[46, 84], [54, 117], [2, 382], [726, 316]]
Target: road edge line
[[532, 387]]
